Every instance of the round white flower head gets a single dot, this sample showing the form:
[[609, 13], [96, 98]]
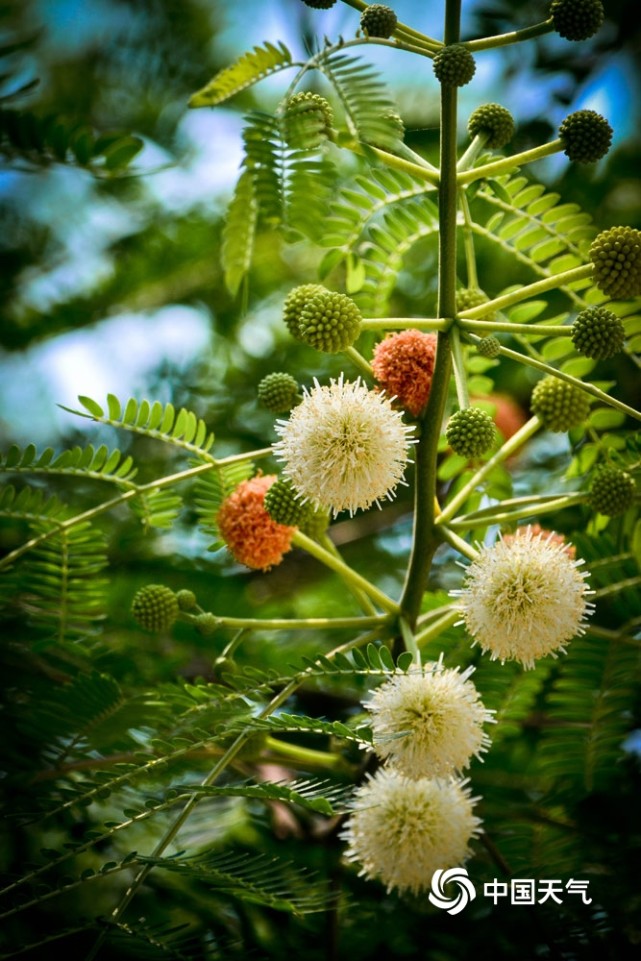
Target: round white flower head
[[344, 446], [401, 830], [428, 722], [525, 598]]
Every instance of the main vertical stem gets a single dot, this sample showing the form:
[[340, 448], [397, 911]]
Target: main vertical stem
[[425, 537]]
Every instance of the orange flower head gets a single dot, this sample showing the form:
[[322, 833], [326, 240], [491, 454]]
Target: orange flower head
[[535, 530], [253, 538], [404, 365]]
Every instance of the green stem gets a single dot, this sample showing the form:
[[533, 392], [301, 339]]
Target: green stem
[[508, 164], [305, 756], [467, 159], [495, 326], [569, 379], [509, 447], [363, 600], [458, 543], [401, 28], [298, 624], [530, 290], [359, 362], [349, 576], [506, 514], [405, 323], [458, 364], [468, 241], [427, 173], [409, 640], [514, 36], [425, 538]]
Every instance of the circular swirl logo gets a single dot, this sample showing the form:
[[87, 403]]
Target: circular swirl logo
[[466, 890]]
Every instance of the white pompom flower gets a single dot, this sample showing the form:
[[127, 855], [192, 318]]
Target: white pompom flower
[[344, 447], [525, 598], [402, 830], [429, 722]]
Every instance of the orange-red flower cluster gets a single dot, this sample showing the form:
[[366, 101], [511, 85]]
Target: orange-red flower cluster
[[251, 535], [404, 365]]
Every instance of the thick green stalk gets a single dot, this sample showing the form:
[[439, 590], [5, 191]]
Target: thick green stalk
[[425, 536]]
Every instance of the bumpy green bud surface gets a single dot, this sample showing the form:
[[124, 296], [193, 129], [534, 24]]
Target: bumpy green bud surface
[[598, 333], [278, 392], [378, 20], [314, 523], [296, 300], [495, 121], [616, 258], [307, 121], [468, 297], [282, 504], [612, 491], [155, 607], [559, 405], [576, 19], [489, 346], [454, 65], [586, 136], [330, 322], [470, 432], [186, 600]]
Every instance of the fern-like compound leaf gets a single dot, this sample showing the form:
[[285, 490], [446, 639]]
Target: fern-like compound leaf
[[247, 70]]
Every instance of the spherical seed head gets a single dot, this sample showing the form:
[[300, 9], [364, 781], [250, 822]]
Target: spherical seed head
[[402, 830], [344, 446], [253, 538], [155, 607], [616, 258], [524, 599], [278, 392], [428, 722], [320, 4], [378, 21], [612, 491], [307, 121], [586, 136], [403, 364], [295, 301], [454, 65], [283, 504], [468, 297], [470, 432], [598, 333], [576, 19], [495, 121], [489, 346], [559, 405], [186, 600], [330, 322]]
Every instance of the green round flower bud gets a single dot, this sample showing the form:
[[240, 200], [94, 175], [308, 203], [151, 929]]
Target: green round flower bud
[[314, 523], [320, 4], [612, 491], [296, 300], [283, 504], [470, 432], [378, 21], [278, 392], [489, 346], [468, 297], [598, 333], [454, 65], [206, 623], [330, 322], [576, 19], [186, 600], [616, 258], [493, 120], [586, 136], [559, 405], [155, 607], [307, 121]]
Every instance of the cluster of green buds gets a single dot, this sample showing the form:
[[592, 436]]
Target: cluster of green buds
[[321, 318]]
